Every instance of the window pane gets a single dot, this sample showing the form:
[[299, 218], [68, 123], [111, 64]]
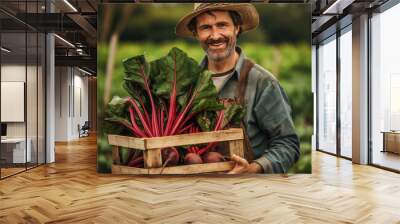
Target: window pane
[[345, 94], [31, 99], [327, 96], [15, 150], [386, 88]]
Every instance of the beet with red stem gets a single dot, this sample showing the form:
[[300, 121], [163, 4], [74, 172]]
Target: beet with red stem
[[170, 156], [142, 119], [213, 157], [136, 161], [154, 123], [172, 104], [135, 128], [217, 127], [192, 158], [146, 114]]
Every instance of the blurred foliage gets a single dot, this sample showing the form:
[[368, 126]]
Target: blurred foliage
[[281, 44], [279, 23]]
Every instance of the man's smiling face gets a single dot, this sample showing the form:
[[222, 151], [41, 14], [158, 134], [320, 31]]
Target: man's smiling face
[[217, 34]]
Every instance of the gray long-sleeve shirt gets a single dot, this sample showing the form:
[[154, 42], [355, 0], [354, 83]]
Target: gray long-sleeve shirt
[[268, 118]]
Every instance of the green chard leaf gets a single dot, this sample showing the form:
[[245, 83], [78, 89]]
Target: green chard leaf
[[206, 120], [137, 75], [162, 72], [233, 114], [116, 112], [206, 95]]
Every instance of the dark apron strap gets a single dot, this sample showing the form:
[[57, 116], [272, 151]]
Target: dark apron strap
[[240, 97]]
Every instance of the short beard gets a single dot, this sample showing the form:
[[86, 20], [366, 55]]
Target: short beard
[[221, 56], [230, 49]]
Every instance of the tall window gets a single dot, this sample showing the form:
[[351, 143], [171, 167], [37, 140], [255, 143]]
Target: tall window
[[385, 84], [327, 95], [345, 92]]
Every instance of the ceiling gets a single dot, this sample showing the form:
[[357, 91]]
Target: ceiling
[[74, 21], [332, 15]]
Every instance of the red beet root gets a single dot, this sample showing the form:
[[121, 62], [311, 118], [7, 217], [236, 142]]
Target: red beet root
[[136, 162], [170, 156], [192, 158], [213, 157]]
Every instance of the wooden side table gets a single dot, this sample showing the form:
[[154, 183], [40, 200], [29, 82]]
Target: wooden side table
[[391, 141]]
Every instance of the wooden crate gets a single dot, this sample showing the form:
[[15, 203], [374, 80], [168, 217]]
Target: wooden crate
[[152, 151]]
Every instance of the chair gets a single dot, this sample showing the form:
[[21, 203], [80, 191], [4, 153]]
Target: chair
[[84, 130]]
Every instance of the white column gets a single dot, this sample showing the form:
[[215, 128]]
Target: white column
[[50, 93], [360, 90], [314, 91], [50, 110]]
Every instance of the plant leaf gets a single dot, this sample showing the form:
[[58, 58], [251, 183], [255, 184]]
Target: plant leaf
[[162, 73], [233, 114], [116, 112], [206, 95], [206, 120], [136, 74]]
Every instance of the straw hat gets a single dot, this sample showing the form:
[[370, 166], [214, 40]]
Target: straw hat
[[247, 12]]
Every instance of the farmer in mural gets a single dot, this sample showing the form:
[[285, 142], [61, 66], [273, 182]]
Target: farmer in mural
[[272, 144]]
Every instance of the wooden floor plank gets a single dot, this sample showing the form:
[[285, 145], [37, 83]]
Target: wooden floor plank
[[71, 191]]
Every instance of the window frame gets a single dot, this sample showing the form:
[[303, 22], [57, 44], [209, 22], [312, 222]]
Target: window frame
[[346, 28]]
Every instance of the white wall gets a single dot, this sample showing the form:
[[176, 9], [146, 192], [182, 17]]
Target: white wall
[[71, 94], [33, 126], [80, 110], [61, 103], [12, 73]]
